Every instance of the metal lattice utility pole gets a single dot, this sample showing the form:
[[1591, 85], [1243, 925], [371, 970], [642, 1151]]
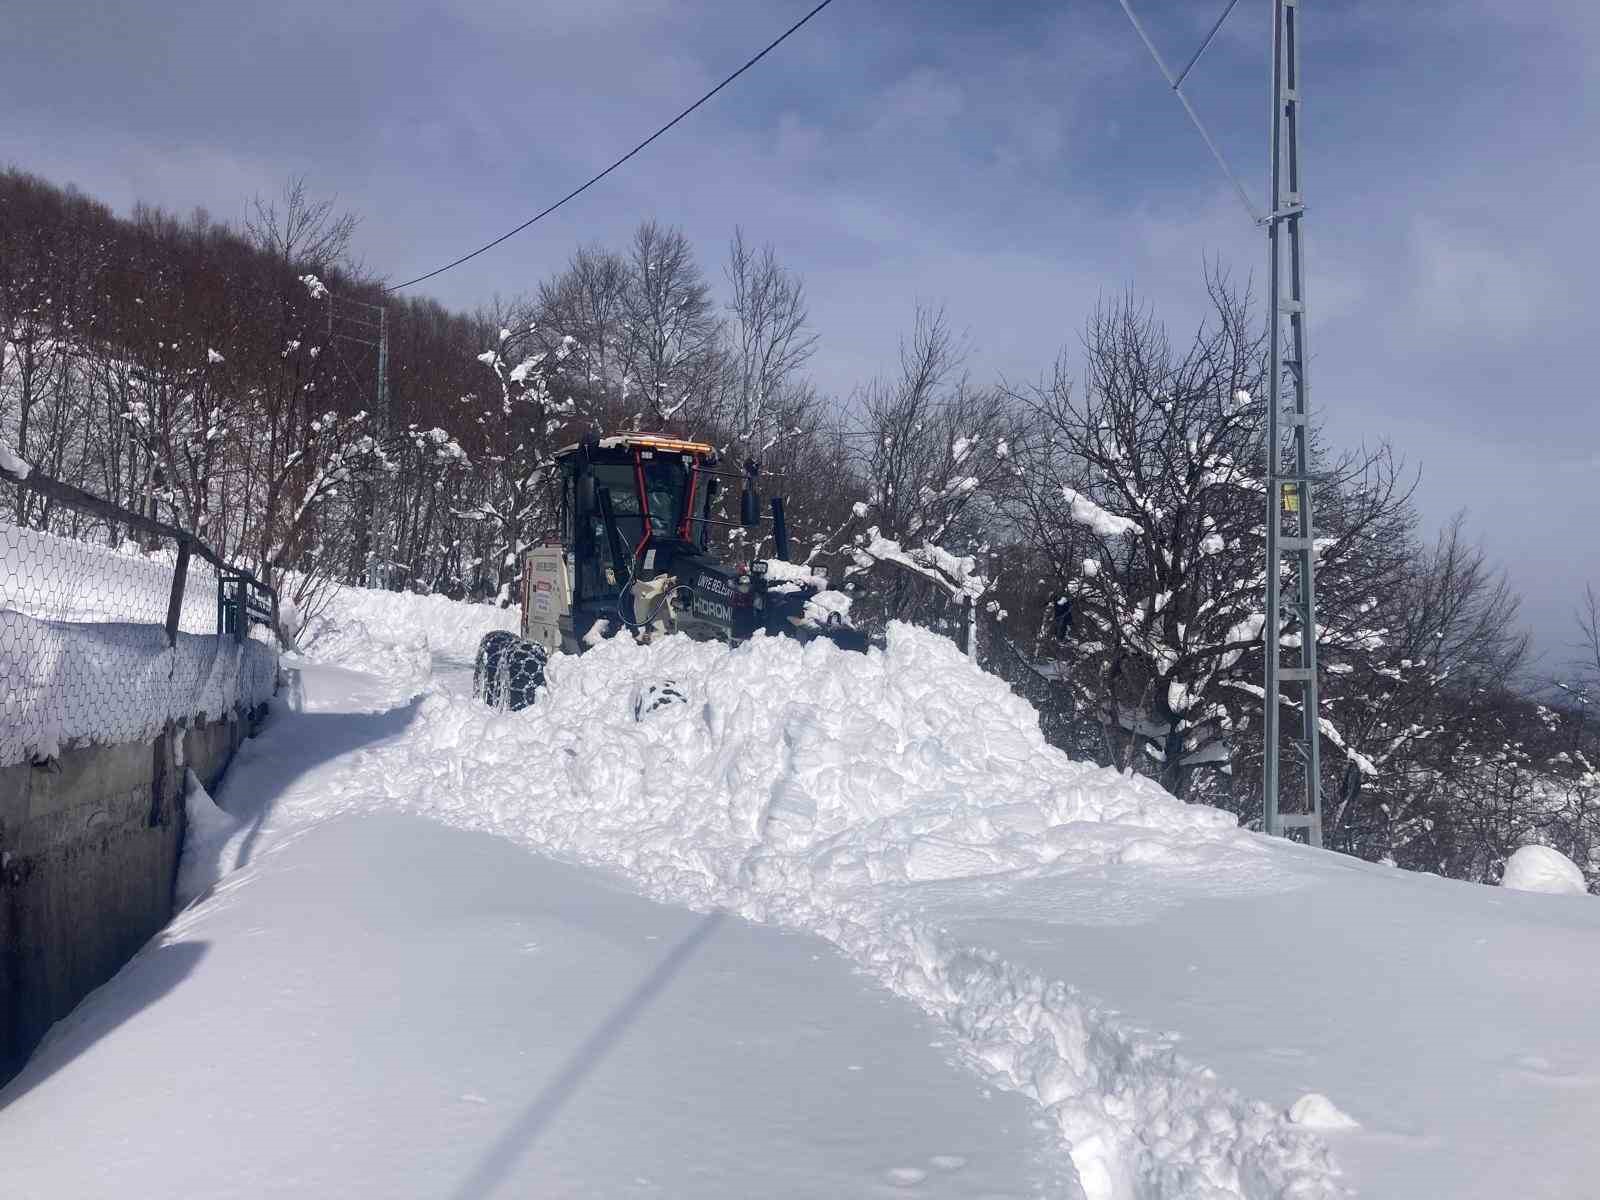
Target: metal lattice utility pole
[[1289, 482], [376, 578]]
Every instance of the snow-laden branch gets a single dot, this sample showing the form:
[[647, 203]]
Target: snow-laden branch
[[956, 574], [1086, 512], [1329, 730]]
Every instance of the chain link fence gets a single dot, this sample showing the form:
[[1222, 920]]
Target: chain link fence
[[128, 624]]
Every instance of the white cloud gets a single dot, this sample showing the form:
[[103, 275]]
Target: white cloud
[[1467, 286]]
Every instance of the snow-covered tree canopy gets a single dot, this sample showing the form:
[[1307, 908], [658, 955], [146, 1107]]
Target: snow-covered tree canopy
[[1143, 490]]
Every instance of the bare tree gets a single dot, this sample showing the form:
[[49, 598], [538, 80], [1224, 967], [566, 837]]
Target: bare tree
[[300, 233], [930, 450], [671, 352], [1425, 703], [771, 342], [583, 312], [1588, 616]]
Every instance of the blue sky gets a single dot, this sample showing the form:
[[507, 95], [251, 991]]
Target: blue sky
[[1012, 161]]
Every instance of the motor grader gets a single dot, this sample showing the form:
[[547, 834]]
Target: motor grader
[[633, 558]]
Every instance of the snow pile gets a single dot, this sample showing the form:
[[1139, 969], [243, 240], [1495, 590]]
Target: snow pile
[[814, 788], [403, 656], [826, 767], [396, 634], [1542, 869]]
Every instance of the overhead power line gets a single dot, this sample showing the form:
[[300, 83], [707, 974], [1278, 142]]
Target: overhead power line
[[578, 191], [1175, 82]]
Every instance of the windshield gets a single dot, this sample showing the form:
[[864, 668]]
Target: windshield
[[666, 483]]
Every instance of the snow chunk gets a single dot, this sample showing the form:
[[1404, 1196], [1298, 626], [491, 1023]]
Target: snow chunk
[[213, 357], [520, 372], [781, 570], [290, 620], [11, 463], [1316, 1111], [315, 286], [824, 604], [1543, 869]]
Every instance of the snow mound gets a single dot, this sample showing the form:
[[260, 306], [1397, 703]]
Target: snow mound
[[815, 765], [403, 657], [815, 788], [395, 635], [1542, 869]]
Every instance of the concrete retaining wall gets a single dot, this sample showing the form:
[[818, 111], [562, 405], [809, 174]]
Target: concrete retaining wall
[[89, 849]]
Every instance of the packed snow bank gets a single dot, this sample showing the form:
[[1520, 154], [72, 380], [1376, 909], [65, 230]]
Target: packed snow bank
[[1542, 869], [808, 786], [396, 634]]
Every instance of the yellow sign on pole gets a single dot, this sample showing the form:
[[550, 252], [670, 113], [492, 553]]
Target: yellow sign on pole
[[1291, 497]]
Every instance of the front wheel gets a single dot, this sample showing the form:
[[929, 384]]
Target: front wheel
[[509, 671]]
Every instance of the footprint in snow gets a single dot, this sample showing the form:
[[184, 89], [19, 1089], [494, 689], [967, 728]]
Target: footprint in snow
[[905, 1176]]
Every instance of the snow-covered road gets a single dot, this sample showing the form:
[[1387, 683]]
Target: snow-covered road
[[1146, 1002], [389, 1007], [376, 1004]]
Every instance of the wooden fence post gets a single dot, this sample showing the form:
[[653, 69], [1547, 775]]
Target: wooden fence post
[[175, 601]]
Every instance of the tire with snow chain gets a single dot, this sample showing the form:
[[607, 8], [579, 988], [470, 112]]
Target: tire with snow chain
[[509, 671], [485, 669]]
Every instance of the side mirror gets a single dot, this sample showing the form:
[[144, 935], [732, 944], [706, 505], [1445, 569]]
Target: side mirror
[[780, 530], [749, 502]]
